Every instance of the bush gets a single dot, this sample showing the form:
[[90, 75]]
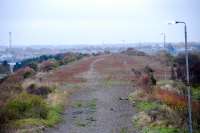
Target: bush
[[172, 99], [196, 92], [41, 91], [25, 72], [26, 106], [194, 64], [48, 65], [54, 115], [27, 75], [33, 65]]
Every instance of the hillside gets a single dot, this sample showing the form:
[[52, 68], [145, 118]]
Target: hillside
[[94, 94]]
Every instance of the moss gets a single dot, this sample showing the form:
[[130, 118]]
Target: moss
[[196, 92], [54, 116], [124, 130], [146, 106], [161, 130]]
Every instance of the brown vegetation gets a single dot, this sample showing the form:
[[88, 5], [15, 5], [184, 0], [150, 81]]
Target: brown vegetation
[[68, 73]]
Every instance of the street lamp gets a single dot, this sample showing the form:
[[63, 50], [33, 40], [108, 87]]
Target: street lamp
[[187, 73]]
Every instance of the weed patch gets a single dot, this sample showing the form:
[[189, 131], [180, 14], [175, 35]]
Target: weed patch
[[161, 130], [110, 82], [146, 106], [124, 130], [196, 93], [26, 106], [54, 116]]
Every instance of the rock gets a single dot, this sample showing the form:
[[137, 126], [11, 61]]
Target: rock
[[91, 119], [153, 114], [123, 98], [111, 109], [77, 112]]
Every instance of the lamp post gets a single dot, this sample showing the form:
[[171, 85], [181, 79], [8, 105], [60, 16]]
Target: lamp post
[[187, 74]]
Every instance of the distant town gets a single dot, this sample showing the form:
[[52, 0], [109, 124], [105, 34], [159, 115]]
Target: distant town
[[18, 53]]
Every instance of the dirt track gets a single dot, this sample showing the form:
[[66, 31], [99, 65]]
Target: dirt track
[[100, 107]]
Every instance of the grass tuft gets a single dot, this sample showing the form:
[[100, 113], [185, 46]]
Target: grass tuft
[[161, 130], [146, 106]]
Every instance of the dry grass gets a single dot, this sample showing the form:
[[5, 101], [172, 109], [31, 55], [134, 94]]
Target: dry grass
[[118, 66]]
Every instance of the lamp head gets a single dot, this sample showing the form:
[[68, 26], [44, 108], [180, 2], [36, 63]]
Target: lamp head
[[172, 22]]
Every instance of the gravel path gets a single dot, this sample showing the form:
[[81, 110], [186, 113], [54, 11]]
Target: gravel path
[[98, 108]]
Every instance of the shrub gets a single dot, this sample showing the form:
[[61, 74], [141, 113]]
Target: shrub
[[194, 64], [25, 72], [26, 106], [196, 92], [41, 91], [69, 58], [27, 75], [33, 65], [145, 78], [48, 65], [172, 99], [179, 103]]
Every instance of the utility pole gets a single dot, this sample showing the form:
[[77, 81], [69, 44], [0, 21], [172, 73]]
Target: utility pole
[[164, 39], [10, 41]]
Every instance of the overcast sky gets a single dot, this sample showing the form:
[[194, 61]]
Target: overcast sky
[[95, 21]]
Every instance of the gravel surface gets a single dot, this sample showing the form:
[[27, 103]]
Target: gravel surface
[[98, 108]]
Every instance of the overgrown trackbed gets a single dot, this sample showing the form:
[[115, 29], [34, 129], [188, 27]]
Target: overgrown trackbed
[[101, 106]]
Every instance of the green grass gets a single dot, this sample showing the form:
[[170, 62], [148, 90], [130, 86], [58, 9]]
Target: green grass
[[196, 93], [92, 104], [146, 106], [28, 110], [26, 106], [111, 82], [161, 130], [124, 130], [71, 86], [164, 82], [27, 122], [54, 115]]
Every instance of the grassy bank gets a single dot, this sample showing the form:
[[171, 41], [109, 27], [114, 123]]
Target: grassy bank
[[154, 116], [28, 113]]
